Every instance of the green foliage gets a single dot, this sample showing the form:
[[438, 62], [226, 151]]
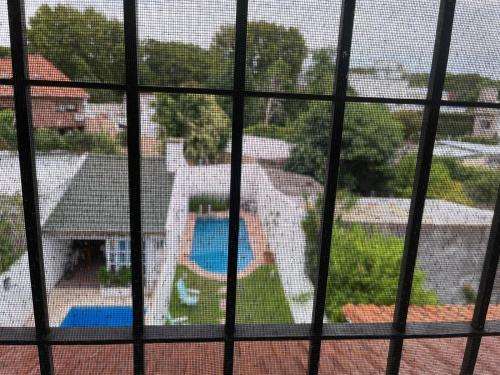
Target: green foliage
[[479, 140], [441, 183], [469, 294], [364, 269], [216, 203], [199, 120], [275, 55], [8, 137], [174, 63], [4, 51], [320, 75], [284, 133], [174, 113], [76, 141], [12, 237], [481, 185], [84, 45], [370, 139], [364, 266], [120, 278], [312, 222], [455, 125], [412, 123], [208, 135]]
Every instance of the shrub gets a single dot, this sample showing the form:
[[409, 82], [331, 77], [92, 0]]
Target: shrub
[[479, 140], [441, 184], [76, 141], [120, 278], [12, 236], [481, 185], [364, 267], [284, 133], [216, 203], [8, 140]]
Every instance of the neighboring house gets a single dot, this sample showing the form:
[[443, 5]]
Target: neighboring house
[[55, 172], [95, 209], [487, 120], [112, 118], [388, 82], [285, 357], [60, 108], [452, 244]]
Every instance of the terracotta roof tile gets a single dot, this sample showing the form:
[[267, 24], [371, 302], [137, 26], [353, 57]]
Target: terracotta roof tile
[[40, 68], [420, 356], [437, 313]]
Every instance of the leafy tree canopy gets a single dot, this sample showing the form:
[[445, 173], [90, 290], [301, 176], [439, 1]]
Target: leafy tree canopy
[[370, 140], [84, 45]]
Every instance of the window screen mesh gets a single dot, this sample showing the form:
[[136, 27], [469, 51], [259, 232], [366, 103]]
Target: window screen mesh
[[275, 137]]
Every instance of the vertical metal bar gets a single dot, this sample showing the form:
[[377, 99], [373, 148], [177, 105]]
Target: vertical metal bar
[[25, 144], [484, 292], [234, 196], [330, 193], [134, 178], [424, 162]]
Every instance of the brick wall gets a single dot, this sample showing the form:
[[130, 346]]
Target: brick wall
[[47, 113]]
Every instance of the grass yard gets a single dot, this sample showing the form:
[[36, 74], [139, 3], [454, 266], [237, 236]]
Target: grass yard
[[260, 298]]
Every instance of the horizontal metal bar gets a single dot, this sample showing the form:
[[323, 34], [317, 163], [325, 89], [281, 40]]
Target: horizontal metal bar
[[245, 332], [250, 93], [6, 81], [77, 84], [186, 90]]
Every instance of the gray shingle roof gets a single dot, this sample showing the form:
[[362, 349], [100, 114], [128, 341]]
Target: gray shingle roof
[[96, 201]]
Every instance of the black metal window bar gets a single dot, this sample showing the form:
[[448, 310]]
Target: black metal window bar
[[44, 337]]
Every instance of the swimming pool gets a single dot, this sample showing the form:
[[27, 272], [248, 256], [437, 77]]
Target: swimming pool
[[98, 316], [210, 245]]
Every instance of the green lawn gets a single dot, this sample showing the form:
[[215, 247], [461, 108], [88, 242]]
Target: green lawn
[[260, 298]]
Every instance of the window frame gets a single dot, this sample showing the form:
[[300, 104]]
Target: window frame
[[45, 336]]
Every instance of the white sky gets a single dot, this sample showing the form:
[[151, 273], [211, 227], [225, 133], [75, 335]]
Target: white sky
[[389, 30]]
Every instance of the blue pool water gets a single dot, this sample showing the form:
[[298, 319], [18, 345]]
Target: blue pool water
[[98, 316], [210, 243]]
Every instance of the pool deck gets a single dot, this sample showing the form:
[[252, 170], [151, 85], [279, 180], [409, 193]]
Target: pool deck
[[256, 234]]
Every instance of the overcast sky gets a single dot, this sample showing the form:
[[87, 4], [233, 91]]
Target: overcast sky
[[385, 30]]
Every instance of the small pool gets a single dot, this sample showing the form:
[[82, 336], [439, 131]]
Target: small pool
[[98, 316], [210, 245]]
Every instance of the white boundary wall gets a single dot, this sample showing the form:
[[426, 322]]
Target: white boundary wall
[[280, 215]]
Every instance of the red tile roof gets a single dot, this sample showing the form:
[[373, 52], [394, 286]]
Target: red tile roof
[[422, 356], [437, 313], [40, 68]]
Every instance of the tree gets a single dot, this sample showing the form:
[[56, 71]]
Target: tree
[[198, 119], [370, 140], [208, 135], [364, 266], [320, 75], [174, 113], [174, 63], [275, 55], [84, 45]]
